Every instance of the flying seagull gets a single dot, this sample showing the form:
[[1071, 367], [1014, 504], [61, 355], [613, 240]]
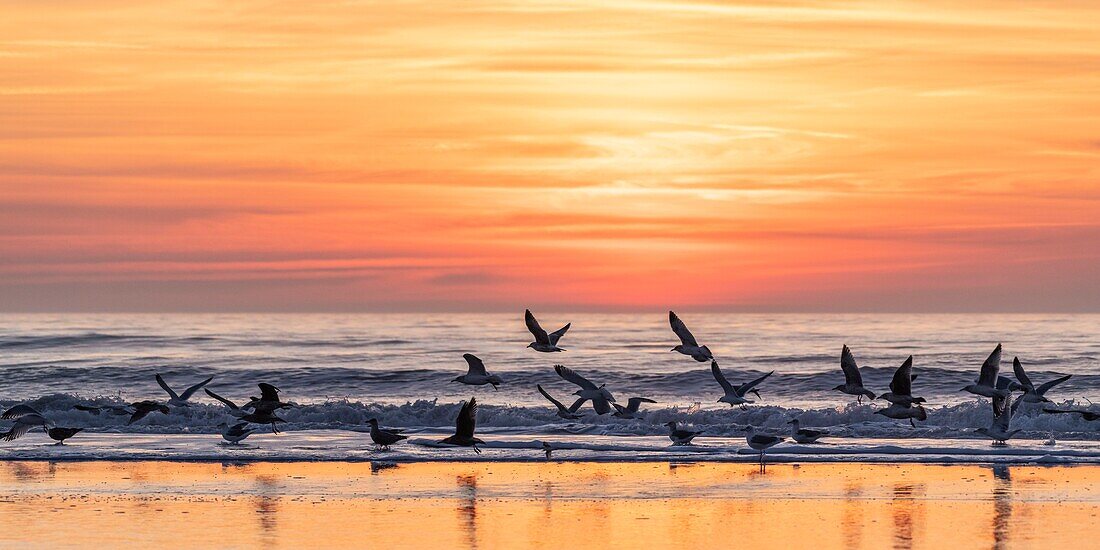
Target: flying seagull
[[26, 419], [544, 342], [805, 435], [464, 427], [901, 386], [853, 382], [384, 437], [1033, 393], [236, 433], [61, 434], [566, 413], [476, 375], [986, 384], [761, 442], [901, 412], [1087, 415], [180, 400], [735, 395], [141, 409], [113, 409], [1000, 430], [631, 408], [601, 398], [688, 346], [234, 410], [680, 436]]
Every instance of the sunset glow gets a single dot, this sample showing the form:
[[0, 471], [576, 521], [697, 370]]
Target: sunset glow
[[492, 155]]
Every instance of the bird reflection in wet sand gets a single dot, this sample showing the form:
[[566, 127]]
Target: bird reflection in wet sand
[[267, 508], [467, 507], [1002, 507], [907, 512], [851, 520]]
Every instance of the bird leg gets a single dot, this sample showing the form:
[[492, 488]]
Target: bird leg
[[859, 399], [476, 450], [914, 424], [744, 407]]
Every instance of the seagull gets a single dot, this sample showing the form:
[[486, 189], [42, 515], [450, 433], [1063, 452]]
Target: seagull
[[113, 409], [264, 417], [805, 435], [236, 433], [566, 413], [680, 436], [761, 442], [180, 400], [384, 437], [1000, 431], [1007, 385], [464, 427], [631, 408], [901, 386], [544, 342], [1087, 415], [26, 418], [1033, 393], [901, 412], [234, 410], [853, 382], [141, 409], [476, 375], [688, 346], [268, 401], [601, 398], [61, 434], [986, 384], [736, 395]]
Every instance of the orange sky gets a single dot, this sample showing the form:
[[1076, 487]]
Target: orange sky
[[322, 155]]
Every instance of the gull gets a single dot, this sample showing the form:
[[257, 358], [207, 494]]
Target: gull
[[901, 386], [476, 375], [680, 436], [384, 437], [566, 413], [61, 434], [544, 342], [688, 346], [180, 400], [264, 417], [631, 408], [1007, 385], [26, 419], [1033, 393], [761, 442], [853, 382], [236, 433], [1000, 430], [234, 410], [736, 395], [113, 409], [901, 412], [1087, 415], [141, 409], [464, 427], [986, 384], [805, 435], [601, 398]]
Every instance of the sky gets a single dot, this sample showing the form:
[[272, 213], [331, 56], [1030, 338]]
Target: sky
[[623, 155]]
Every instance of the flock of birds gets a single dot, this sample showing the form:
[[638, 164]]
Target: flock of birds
[[260, 411]]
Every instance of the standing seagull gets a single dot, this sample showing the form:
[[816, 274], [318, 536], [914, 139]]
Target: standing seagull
[[901, 386], [631, 408], [736, 395], [601, 398], [566, 413], [680, 436], [805, 435], [180, 400], [853, 382], [384, 437], [544, 342], [688, 346], [476, 375], [1000, 431], [986, 384], [61, 434], [236, 433], [761, 442], [464, 427], [1033, 393], [26, 419]]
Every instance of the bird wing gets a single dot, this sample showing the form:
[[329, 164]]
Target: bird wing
[[19, 411], [536, 330], [1047, 385], [224, 401], [988, 376], [87, 408], [467, 419], [748, 386], [999, 405], [19, 429], [476, 366], [1018, 370], [902, 383], [1004, 420], [138, 415], [550, 398], [268, 392], [851, 370], [190, 391], [681, 330], [577, 405], [570, 376], [717, 372], [602, 406], [557, 334], [634, 402], [164, 385]]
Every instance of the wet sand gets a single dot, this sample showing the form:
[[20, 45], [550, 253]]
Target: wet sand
[[545, 505]]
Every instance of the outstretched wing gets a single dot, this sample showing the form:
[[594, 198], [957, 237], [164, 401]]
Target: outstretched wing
[[902, 383], [18, 430], [19, 411], [536, 330], [1042, 389], [164, 385], [550, 398], [557, 334], [851, 370], [467, 419], [570, 376], [268, 392], [190, 391], [1018, 370], [717, 372], [748, 386], [577, 405], [992, 365], [224, 401], [681, 330], [138, 415], [1004, 420], [476, 366]]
